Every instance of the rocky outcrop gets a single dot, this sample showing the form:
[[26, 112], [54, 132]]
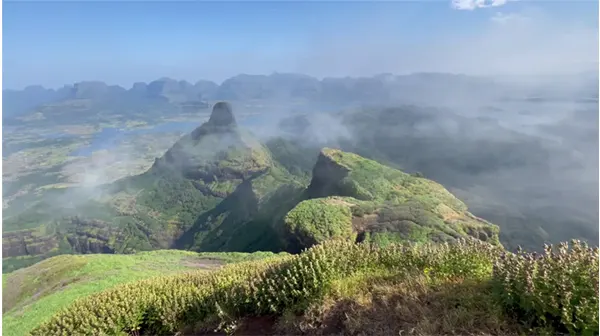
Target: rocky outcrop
[[326, 177], [380, 204], [92, 236], [222, 115], [79, 235], [27, 243]]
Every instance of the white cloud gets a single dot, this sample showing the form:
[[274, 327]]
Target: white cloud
[[510, 18], [474, 4]]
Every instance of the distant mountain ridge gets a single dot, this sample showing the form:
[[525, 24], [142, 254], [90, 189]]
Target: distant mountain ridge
[[381, 88]]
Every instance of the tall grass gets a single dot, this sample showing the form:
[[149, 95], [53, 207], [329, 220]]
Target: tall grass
[[166, 304], [269, 287], [557, 290]]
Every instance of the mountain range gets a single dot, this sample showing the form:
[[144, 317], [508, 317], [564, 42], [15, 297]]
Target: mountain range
[[379, 89], [322, 183]]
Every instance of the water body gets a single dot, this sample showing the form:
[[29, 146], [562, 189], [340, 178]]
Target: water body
[[110, 137]]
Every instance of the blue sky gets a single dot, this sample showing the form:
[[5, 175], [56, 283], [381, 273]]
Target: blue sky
[[56, 43]]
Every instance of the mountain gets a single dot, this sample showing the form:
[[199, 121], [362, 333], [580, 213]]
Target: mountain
[[220, 189], [169, 96], [213, 179], [353, 197], [17, 102], [496, 169]]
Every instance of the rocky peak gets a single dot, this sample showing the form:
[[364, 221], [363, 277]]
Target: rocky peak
[[217, 149], [327, 175], [222, 115], [221, 121]]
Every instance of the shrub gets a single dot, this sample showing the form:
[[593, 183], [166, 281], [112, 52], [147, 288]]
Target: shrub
[[556, 290], [316, 220], [167, 304]]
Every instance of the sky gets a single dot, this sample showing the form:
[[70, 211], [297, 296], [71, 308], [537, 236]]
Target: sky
[[58, 43]]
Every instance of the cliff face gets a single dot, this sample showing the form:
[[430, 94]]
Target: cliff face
[[76, 234], [27, 242], [327, 177]]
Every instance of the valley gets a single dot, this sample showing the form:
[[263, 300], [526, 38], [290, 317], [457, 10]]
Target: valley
[[300, 168], [175, 198]]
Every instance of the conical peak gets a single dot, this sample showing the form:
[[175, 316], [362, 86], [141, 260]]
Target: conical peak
[[222, 115]]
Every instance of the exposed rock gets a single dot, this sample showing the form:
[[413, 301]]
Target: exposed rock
[[27, 243], [222, 115], [327, 174], [217, 150]]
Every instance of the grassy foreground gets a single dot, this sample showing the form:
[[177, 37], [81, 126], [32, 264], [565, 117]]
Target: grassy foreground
[[32, 295], [469, 287]]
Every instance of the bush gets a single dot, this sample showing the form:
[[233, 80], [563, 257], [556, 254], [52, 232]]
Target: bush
[[167, 304], [317, 220], [557, 290]]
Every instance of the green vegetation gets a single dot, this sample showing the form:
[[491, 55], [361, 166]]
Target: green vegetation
[[555, 290], [241, 199], [370, 180], [34, 294], [352, 197], [314, 221], [380, 243], [463, 280]]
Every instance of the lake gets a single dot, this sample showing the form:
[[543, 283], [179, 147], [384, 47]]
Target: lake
[[110, 137]]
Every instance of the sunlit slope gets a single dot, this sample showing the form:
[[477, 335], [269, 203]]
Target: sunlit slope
[[31, 295], [468, 287]]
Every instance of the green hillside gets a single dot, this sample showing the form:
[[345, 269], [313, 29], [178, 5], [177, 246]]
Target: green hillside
[[199, 195], [374, 251], [355, 198], [468, 287], [32, 295], [219, 189]]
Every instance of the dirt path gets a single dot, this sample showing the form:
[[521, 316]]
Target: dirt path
[[204, 263]]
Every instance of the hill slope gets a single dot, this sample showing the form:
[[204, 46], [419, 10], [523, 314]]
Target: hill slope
[[353, 197], [198, 195], [33, 294], [343, 288], [219, 189]]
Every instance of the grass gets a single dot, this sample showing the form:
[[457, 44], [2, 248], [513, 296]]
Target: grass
[[32, 295], [314, 221], [339, 287], [375, 181], [386, 303], [164, 305], [398, 206]]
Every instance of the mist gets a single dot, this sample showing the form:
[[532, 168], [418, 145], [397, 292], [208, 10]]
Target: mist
[[506, 117]]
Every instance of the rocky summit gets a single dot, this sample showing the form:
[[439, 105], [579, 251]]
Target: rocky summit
[[215, 150], [222, 115], [355, 198]]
